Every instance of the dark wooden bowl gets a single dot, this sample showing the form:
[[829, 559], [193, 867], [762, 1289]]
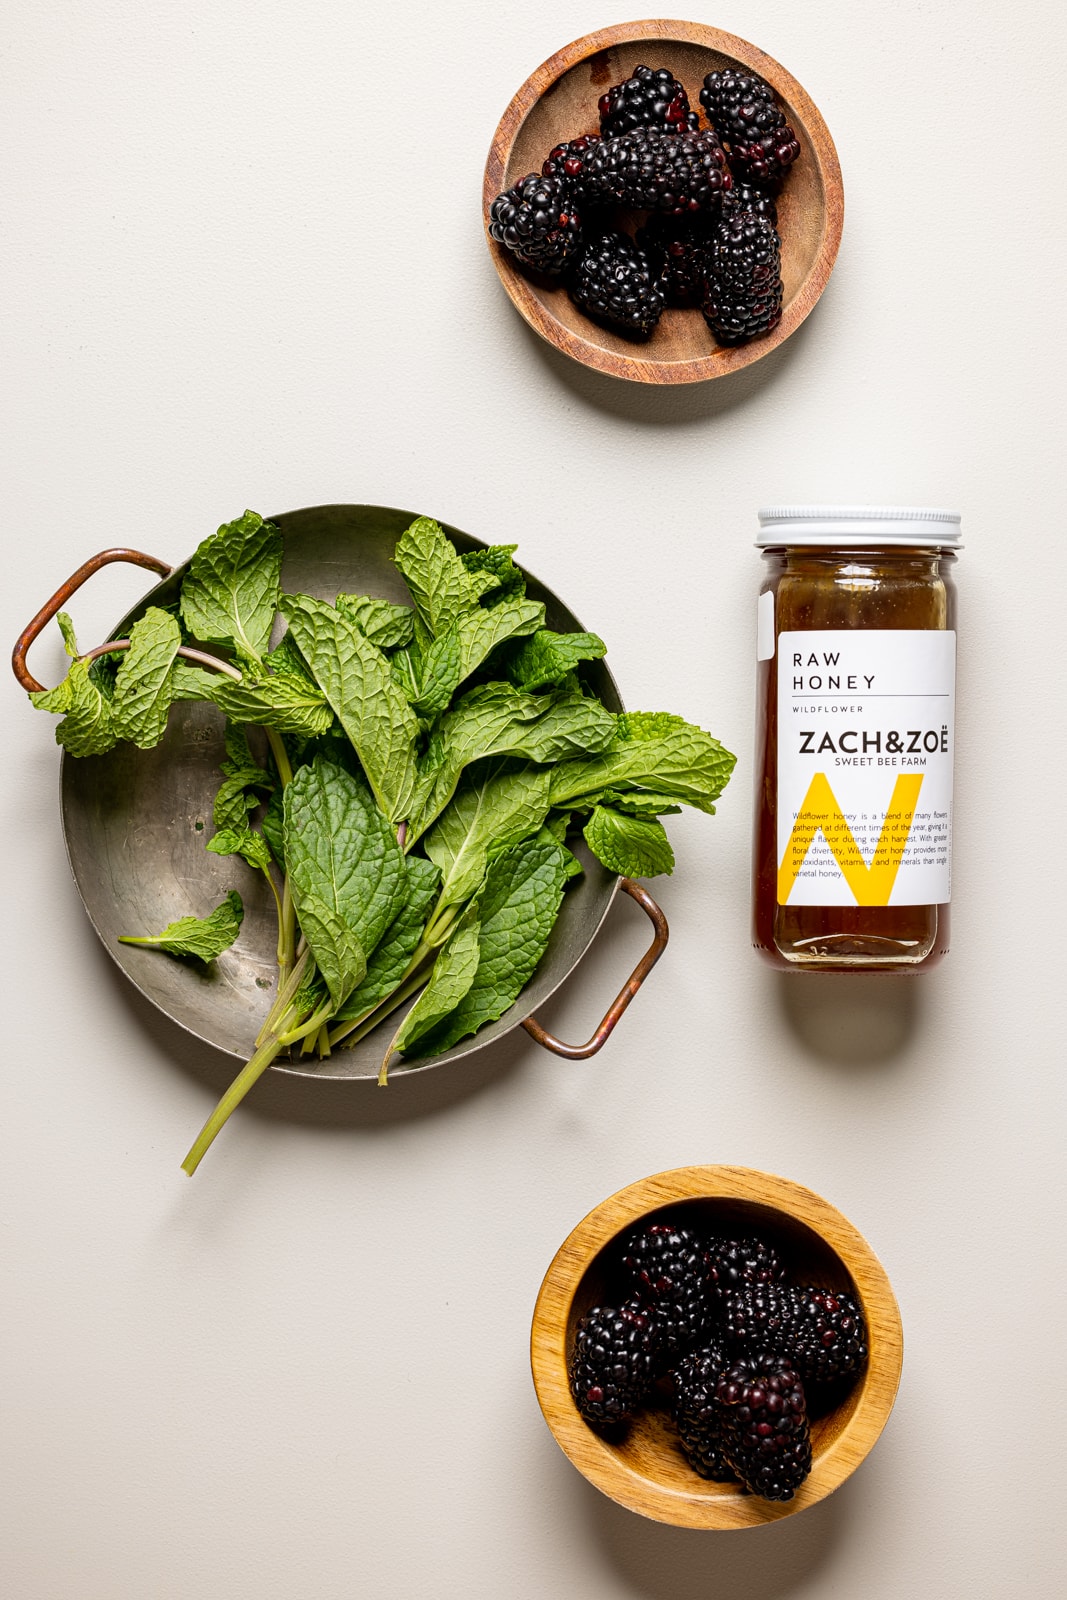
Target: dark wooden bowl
[[559, 102], [646, 1470]]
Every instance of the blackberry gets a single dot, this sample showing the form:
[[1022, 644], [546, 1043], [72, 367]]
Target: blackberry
[[764, 1423], [744, 297], [822, 1331], [828, 1338], [682, 245], [743, 111], [697, 1413], [760, 1316], [746, 197], [652, 98], [668, 1268], [613, 1363], [736, 1262], [566, 161], [537, 223], [615, 283], [661, 1258], [656, 170]]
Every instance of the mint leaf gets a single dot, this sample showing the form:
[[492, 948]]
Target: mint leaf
[[558, 824], [650, 724], [638, 847], [439, 672], [242, 773], [548, 657], [495, 559], [239, 757], [497, 719], [230, 593], [143, 683], [357, 681], [287, 701], [66, 628], [639, 802], [430, 677], [340, 957], [191, 683], [441, 586], [517, 911], [483, 630], [242, 789], [494, 806], [286, 658], [451, 978], [87, 728], [244, 842], [202, 937], [681, 761], [345, 868], [385, 624], [405, 665], [389, 963], [273, 826], [233, 802]]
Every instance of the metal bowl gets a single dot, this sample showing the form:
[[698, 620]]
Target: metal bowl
[[136, 821]]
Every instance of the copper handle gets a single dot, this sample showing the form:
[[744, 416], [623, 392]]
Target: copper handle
[[581, 1052], [136, 558]]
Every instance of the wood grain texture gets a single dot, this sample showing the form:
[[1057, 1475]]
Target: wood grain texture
[[647, 1471], [559, 102]]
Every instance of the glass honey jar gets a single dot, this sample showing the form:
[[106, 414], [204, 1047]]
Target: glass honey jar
[[856, 652]]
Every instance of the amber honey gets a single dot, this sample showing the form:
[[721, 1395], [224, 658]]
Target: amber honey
[[855, 738]]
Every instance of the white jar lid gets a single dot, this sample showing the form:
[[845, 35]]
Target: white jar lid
[[858, 525]]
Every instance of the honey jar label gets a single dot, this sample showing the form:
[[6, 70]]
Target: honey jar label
[[865, 746]]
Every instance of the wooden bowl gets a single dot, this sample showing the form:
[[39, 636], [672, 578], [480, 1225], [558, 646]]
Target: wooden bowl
[[646, 1471], [559, 102]]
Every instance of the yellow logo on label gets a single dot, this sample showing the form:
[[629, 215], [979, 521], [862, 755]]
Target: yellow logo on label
[[872, 885]]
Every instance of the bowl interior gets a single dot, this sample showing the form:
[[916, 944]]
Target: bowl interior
[[650, 1448], [568, 108], [136, 822]]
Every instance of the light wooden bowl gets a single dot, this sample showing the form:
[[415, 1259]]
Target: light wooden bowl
[[646, 1471], [559, 102]]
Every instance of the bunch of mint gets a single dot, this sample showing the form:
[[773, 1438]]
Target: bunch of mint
[[427, 764]]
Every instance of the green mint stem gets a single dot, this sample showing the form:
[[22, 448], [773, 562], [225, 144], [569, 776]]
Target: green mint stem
[[353, 1032], [287, 941], [287, 913], [249, 1074], [280, 754], [280, 910], [308, 1027], [284, 996], [272, 1044], [383, 1070], [439, 926]]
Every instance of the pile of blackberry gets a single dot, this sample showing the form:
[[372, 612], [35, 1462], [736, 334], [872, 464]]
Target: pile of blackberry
[[744, 1357], [709, 239]]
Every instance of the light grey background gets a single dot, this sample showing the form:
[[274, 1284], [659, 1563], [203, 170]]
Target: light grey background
[[244, 266]]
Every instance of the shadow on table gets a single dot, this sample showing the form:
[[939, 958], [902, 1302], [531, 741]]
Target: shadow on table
[[360, 1103], [332, 1102], [853, 1019], [666, 405], [664, 1563]]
